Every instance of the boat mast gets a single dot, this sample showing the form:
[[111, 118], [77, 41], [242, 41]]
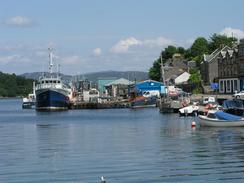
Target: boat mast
[[50, 60], [162, 71]]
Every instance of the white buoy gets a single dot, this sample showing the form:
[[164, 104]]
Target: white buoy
[[103, 180]]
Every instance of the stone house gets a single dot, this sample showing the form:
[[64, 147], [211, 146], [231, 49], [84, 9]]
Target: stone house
[[209, 66], [174, 67], [231, 69]]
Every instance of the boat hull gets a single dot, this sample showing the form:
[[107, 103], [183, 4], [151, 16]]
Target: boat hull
[[51, 100], [28, 105], [144, 102], [205, 121]]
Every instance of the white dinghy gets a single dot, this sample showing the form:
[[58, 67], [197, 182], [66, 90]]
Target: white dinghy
[[221, 119]]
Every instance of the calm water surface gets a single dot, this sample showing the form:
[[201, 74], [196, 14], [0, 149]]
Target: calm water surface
[[123, 145]]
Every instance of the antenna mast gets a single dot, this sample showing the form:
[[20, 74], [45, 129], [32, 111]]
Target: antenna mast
[[50, 60]]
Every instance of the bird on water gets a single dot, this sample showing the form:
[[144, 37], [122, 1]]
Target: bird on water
[[103, 180]]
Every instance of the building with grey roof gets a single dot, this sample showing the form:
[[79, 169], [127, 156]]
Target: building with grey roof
[[209, 66]]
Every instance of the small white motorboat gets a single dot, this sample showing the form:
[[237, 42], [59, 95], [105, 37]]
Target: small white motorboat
[[191, 110], [220, 119]]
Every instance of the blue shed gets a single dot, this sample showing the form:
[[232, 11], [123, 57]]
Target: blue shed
[[150, 85]]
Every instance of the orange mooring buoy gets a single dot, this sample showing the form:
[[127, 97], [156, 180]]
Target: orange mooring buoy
[[193, 124]]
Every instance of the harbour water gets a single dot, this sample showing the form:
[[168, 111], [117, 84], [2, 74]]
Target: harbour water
[[123, 145]]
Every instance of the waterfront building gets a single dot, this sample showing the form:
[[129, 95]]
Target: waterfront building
[[149, 85], [102, 82], [91, 95], [209, 66], [231, 69], [118, 88]]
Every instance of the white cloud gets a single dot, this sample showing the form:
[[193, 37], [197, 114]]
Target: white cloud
[[18, 21], [97, 51], [123, 45], [228, 31], [159, 41], [9, 58]]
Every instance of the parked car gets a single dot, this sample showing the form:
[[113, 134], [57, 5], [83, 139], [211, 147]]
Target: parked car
[[239, 94]]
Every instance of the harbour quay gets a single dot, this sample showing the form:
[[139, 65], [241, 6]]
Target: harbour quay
[[92, 105]]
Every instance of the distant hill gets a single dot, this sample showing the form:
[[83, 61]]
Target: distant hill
[[131, 75], [36, 75]]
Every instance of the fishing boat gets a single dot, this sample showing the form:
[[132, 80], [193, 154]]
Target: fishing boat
[[221, 119], [144, 102], [51, 92]]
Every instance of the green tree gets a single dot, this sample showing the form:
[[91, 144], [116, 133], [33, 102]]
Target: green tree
[[218, 40], [199, 47], [12, 85], [169, 52], [154, 71], [195, 80], [181, 50]]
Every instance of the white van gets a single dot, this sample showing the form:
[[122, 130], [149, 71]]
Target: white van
[[151, 93]]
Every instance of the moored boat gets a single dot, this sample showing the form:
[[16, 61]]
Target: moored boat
[[51, 92], [144, 102], [234, 106], [30, 101], [191, 110], [220, 119]]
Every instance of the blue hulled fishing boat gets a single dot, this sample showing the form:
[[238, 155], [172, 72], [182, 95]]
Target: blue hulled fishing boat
[[51, 92]]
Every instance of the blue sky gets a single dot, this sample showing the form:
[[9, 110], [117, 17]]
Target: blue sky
[[95, 35]]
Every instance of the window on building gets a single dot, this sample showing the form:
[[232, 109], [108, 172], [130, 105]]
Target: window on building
[[228, 85], [221, 85], [241, 51], [235, 85], [242, 67]]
